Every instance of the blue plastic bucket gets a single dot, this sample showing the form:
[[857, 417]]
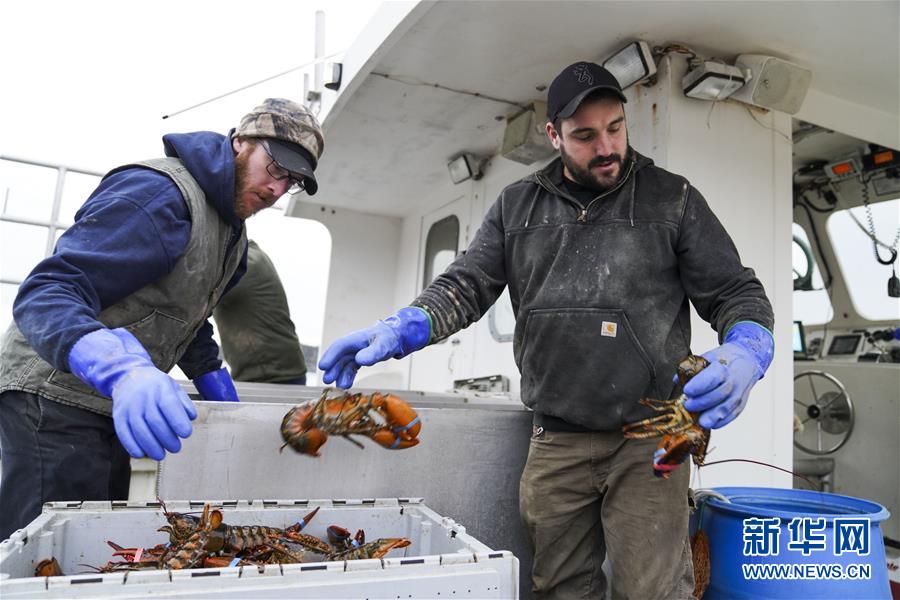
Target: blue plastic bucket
[[756, 552]]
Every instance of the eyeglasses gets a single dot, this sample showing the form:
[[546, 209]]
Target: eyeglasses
[[279, 174]]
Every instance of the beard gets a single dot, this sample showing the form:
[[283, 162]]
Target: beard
[[586, 178], [241, 165]]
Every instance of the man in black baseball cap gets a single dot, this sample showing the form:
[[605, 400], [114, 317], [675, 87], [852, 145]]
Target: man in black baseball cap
[[603, 254], [586, 123]]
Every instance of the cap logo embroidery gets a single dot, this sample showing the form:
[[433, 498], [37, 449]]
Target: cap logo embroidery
[[583, 74]]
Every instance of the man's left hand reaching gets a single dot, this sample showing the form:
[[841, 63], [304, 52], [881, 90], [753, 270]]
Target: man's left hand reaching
[[720, 391]]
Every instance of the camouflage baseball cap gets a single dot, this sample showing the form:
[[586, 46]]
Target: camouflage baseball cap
[[294, 136]]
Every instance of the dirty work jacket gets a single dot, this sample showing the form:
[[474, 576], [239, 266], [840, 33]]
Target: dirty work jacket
[[599, 291], [258, 337], [165, 315]]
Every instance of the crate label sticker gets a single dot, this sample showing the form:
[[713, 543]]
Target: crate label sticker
[[608, 329]]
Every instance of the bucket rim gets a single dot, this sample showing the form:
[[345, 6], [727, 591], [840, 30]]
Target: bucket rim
[[856, 507]]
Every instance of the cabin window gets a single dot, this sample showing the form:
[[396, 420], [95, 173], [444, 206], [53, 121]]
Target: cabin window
[[865, 277], [440, 247], [811, 302]]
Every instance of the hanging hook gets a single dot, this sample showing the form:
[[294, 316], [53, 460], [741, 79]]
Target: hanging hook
[[889, 261]]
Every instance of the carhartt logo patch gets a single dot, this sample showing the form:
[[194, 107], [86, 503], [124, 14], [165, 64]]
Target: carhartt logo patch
[[583, 73], [608, 329]]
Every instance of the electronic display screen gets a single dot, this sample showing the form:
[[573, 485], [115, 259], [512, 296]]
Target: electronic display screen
[[844, 344], [799, 341]]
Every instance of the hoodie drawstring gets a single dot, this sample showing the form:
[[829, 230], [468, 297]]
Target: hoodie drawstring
[[631, 205], [531, 208]]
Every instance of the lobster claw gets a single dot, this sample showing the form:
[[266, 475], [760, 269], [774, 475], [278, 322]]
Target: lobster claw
[[666, 458], [337, 535], [674, 449], [299, 525], [382, 546], [402, 419], [387, 438]]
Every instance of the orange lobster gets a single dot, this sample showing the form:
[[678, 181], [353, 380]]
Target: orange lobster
[[49, 567], [306, 427], [681, 435]]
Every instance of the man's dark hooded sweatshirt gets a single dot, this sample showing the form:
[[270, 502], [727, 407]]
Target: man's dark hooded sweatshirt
[[128, 234]]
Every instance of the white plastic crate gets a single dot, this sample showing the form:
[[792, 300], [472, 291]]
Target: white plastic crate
[[442, 561]]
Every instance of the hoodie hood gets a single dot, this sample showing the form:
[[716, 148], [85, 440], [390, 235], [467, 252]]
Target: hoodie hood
[[209, 159]]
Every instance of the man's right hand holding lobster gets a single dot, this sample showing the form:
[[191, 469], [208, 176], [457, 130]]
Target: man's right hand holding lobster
[[720, 391]]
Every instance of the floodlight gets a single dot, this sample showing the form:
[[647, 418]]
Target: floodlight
[[631, 64], [463, 167], [712, 81]]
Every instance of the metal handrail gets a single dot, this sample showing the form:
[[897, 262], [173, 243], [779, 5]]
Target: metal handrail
[[52, 224]]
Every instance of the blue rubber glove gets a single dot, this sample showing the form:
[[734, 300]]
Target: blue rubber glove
[[150, 411], [216, 385], [394, 337], [720, 391]]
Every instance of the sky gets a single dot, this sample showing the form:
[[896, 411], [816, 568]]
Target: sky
[[86, 84]]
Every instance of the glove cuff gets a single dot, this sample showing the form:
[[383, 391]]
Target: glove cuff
[[412, 325], [102, 357], [756, 339], [216, 385]]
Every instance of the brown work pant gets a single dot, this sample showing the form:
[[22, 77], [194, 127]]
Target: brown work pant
[[583, 495]]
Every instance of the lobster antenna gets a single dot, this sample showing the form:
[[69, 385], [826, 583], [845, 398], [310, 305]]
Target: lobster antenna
[[347, 437]]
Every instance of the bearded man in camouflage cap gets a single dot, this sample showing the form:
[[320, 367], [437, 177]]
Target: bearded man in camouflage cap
[[124, 297]]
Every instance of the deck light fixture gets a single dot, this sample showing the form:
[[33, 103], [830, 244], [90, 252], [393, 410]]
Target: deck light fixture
[[333, 82], [712, 81], [462, 167], [632, 64]]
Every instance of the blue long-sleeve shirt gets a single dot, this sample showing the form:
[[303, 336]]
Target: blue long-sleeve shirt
[[129, 233]]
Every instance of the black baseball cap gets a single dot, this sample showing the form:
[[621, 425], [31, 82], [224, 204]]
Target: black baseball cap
[[572, 86]]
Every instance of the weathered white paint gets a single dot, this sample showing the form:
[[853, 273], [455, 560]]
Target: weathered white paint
[[456, 67], [854, 119]]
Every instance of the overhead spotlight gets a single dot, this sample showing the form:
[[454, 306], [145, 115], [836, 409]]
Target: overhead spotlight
[[631, 64], [463, 167], [712, 81]]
